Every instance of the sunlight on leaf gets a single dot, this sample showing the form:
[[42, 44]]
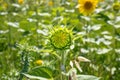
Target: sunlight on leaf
[[87, 77], [35, 77], [83, 59]]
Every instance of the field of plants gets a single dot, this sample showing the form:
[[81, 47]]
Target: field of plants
[[59, 39]]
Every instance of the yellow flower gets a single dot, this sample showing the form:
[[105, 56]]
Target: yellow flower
[[39, 62], [87, 6], [20, 1], [50, 3], [5, 5]]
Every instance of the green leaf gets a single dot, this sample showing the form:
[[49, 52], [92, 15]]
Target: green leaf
[[42, 71], [87, 77], [34, 77], [103, 16]]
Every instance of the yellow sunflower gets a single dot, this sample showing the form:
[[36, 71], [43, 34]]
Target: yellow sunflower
[[87, 6]]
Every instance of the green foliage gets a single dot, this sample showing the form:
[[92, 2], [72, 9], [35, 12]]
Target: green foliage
[[25, 30], [42, 71]]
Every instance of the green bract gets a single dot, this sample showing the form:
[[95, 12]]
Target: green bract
[[60, 38], [116, 6]]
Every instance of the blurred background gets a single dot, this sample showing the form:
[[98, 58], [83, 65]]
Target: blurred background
[[27, 22]]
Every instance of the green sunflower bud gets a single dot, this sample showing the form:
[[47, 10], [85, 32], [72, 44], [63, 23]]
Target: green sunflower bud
[[60, 38], [116, 6]]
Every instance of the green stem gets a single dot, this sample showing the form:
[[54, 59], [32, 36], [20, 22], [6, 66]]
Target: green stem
[[62, 65], [25, 64], [9, 28], [37, 37], [87, 37], [9, 42], [114, 41]]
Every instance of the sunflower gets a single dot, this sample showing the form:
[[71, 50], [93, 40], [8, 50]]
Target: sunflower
[[60, 38], [87, 6]]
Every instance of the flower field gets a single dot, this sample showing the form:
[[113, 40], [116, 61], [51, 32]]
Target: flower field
[[59, 39]]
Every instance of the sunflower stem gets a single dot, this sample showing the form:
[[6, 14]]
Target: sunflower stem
[[25, 64], [62, 65], [87, 35]]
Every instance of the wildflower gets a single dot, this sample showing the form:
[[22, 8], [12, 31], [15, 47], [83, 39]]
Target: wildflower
[[5, 5], [87, 6], [116, 6], [20, 1], [39, 62], [50, 3], [60, 38]]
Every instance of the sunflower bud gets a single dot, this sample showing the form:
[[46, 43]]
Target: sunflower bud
[[60, 38], [116, 6]]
